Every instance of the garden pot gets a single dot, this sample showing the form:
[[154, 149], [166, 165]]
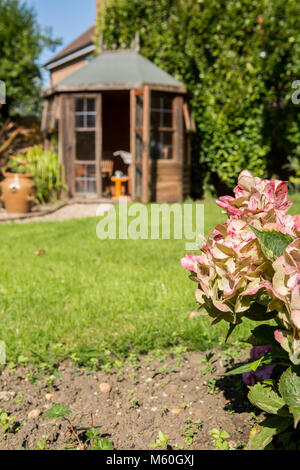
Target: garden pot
[[18, 193]]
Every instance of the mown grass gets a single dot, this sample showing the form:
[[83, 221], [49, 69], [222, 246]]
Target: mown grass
[[83, 293]]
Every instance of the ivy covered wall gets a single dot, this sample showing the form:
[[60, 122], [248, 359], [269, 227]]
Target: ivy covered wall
[[238, 59]]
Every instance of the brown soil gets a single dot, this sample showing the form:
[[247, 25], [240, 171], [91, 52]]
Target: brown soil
[[168, 395]]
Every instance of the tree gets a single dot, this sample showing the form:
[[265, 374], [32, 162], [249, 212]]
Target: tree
[[238, 60], [21, 43]]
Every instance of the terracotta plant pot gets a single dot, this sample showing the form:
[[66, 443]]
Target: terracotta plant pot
[[18, 193]]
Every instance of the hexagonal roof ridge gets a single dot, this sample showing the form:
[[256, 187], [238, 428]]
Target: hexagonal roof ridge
[[120, 67]]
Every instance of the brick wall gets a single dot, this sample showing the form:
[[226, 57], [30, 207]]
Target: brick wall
[[65, 70]]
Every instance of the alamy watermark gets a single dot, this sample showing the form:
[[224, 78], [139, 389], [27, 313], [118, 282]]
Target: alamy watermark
[[2, 92], [136, 221], [296, 94], [2, 353]]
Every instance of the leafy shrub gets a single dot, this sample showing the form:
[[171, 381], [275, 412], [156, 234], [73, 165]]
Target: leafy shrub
[[238, 60], [46, 169], [250, 268], [293, 167]]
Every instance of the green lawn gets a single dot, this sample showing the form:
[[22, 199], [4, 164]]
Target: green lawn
[[85, 293]]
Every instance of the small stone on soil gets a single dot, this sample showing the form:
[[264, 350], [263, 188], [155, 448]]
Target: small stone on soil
[[176, 411], [105, 388], [6, 396], [34, 414]]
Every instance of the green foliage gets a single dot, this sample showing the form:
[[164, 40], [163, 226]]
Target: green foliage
[[238, 60], [7, 423], [268, 400], [191, 430], [220, 439], [21, 42], [57, 411], [262, 435], [265, 360], [272, 243], [42, 444], [46, 169], [289, 387], [96, 441], [282, 402], [161, 441]]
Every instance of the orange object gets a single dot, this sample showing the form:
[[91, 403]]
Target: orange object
[[118, 185], [18, 193]]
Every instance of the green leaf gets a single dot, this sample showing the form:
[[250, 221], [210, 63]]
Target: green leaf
[[265, 360], [272, 243], [57, 411], [264, 334], [231, 328], [258, 312], [262, 435], [102, 444], [267, 400], [289, 387]]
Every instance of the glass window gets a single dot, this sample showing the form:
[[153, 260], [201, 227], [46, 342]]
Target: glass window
[[85, 178], [161, 143], [85, 145], [85, 113]]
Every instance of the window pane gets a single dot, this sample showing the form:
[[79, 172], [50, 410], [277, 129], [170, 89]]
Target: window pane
[[161, 111], [139, 110], [167, 119], [155, 119], [85, 145], [79, 105], [79, 121], [139, 147], [90, 104], [138, 181], [85, 114], [91, 121], [85, 179], [161, 145]]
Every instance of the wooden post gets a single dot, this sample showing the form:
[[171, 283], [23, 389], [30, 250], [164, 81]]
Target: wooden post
[[132, 140], [44, 126], [61, 139], [69, 142], [146, 144], [99, 133], [178, 126]]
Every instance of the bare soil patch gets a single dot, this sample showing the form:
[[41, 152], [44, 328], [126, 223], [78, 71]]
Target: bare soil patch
[[180, 396]]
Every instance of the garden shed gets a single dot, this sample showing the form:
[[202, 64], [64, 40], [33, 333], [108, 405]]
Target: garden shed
[[121, 113]]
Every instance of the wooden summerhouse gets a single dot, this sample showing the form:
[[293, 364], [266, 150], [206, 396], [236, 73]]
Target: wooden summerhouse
[[121, 113]]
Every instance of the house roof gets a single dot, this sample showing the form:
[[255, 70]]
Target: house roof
[[124, 69], [82, 41]]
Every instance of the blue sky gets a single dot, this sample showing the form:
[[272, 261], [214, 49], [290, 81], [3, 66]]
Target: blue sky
[[68, 18]]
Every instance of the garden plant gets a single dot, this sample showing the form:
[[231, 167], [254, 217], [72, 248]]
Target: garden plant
[[250, 268], [47, 171]]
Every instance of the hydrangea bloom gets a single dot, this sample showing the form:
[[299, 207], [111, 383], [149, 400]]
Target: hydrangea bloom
[[234, 276]]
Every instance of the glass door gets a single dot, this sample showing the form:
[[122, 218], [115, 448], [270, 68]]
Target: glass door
[[87, 149], [140, 115]]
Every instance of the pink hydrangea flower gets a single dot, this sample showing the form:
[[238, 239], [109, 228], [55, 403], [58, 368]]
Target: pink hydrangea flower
[[190, 262], [233, 273], [297, 223]]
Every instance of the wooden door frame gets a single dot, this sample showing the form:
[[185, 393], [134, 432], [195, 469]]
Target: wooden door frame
[[145, 164], [98, 140]]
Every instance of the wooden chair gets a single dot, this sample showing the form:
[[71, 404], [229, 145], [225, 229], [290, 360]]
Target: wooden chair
[[107, 167]]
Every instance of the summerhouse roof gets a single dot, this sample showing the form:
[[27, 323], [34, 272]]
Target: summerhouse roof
[[117, 70]]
